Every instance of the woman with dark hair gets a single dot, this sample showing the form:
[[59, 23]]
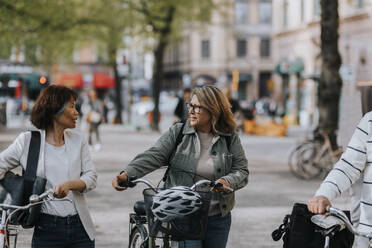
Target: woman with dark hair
[[65, 162], [210, 148]]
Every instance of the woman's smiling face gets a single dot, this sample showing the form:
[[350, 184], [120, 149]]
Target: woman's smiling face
[[68, 118]]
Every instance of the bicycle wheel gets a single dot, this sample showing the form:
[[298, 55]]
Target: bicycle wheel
[[327, 161], [307, 161], [138, 237], [293, 158]]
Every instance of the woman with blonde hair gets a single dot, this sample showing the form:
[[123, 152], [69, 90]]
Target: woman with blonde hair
[[210, 149]]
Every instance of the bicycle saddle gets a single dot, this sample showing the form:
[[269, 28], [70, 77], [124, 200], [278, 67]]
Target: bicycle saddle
[[139, 208]]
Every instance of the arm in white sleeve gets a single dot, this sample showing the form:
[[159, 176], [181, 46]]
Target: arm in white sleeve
[[351, 164]]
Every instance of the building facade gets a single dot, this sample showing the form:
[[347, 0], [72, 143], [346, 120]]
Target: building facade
[[296, 50], [238, 40]]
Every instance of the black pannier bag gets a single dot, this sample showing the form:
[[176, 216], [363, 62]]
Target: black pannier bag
[[297, 231]]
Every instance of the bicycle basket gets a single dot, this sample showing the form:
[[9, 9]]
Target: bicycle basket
[[189, 227]]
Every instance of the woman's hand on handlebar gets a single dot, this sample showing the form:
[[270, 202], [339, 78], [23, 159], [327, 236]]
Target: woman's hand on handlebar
[[61, 190], [318, 204], [123, 177], [221, 188]]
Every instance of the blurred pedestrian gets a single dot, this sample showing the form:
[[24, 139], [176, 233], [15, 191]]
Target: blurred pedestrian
[[94, 118], [180, 111], [210, 149], [65, 163], [235, 109], [235, 106]]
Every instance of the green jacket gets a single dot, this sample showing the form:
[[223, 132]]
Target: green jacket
[[233, 166]]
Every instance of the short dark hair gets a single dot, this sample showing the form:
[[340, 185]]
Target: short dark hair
[[50, 101]]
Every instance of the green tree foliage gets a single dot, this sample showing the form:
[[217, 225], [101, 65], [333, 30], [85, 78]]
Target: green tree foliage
[[49, 31], [40, 25]]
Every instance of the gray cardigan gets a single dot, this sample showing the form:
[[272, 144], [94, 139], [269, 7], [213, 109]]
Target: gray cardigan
[[81, 167]]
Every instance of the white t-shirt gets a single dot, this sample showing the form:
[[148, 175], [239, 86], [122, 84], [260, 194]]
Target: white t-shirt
[[56, 172]]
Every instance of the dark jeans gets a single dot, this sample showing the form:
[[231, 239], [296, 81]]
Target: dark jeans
[[217, 234], [60, 232]]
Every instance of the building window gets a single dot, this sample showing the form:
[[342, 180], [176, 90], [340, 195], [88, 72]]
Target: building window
[[302, 17], [205, 49], [316, 8], [241, 48], [265, 47], [285, 13], [264, 12], [360, 4], [241, 11]]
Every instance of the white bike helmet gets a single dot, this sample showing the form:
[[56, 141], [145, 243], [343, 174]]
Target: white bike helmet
[[175, 202]]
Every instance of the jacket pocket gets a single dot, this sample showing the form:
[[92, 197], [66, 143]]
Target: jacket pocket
[[227, 158]]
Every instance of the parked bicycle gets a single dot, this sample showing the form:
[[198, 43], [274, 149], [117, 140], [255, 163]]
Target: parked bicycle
[[337, 223], [8, 230], [313, 157], [147, 231]]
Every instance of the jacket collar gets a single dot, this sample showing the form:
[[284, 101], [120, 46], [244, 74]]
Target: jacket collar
[[188, 129]]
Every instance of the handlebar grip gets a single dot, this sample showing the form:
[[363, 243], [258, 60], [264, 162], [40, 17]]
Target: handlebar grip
[[128, 183]]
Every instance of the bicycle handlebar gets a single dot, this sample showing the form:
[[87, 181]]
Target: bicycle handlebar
[[34, 200], [39, 198], [132, 182], [342, 216]]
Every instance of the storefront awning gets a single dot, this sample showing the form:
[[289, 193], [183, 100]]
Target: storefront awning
[[71, 80], [103, 81]]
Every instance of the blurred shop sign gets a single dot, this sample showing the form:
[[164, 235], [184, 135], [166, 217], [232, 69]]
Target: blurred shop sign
[[123, 70], [15, 69], [347, 73]]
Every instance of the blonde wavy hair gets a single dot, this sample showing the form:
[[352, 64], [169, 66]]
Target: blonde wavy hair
[[216, 103]]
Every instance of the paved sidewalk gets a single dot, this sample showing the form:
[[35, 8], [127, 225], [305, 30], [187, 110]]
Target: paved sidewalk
[[260, 206]]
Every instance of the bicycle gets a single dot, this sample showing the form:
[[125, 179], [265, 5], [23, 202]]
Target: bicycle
[[7, 211], [313, 158], [336, 224], [142, 222]]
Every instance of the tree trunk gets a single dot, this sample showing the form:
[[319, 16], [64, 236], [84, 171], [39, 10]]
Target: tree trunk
[[157, 81], [118, 87], [330, 81], [118, 100], [164, 33]]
